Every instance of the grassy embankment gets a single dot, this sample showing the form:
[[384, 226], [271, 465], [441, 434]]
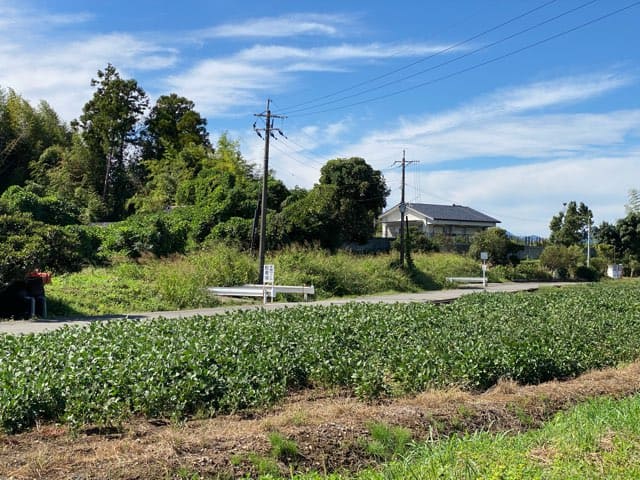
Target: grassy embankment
[[599, 439], [179, 282]]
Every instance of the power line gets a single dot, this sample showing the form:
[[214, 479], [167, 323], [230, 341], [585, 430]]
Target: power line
[[292, 157], [433, 67], [315, 161], [428, 57]]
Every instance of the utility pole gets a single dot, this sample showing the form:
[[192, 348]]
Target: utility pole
[[403, 207], [268, 133], [588, 240]]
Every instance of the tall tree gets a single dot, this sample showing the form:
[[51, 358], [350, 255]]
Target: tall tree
[[569, 227], [173, 123], [25, 133], [108, 125], [359, 195], [341, 208]]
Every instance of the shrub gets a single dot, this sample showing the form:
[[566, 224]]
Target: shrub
[[159, 234], [561, 260], [528, 270], [26, 244], [589, 274], [49, 210], [236, 231]]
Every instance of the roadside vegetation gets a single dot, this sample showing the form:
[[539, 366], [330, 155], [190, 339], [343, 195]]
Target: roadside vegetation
[[179, 281]]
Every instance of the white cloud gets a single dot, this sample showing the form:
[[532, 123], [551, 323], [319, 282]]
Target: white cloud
[[216, 86], [235, 81], [60, 71], [525, 197], [282, 26], [24, 20], [345, 51], [517, 100]]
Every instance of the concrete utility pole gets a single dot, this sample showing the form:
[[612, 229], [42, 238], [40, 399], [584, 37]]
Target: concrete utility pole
[[268, 133], [403, 207]]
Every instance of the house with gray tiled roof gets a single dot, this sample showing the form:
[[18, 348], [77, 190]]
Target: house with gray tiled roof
[[448, 220]]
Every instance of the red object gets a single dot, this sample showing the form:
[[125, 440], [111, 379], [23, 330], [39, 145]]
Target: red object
[[45, 276]]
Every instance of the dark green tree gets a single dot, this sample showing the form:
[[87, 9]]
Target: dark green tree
[[608, 234], [174, 124], [108, 125], [358, 196], [569, 227]]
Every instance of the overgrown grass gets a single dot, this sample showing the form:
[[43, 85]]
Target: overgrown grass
[[598, 439], [179, 282]]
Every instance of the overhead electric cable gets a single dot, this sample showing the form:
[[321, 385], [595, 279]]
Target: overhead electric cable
[[478, 65], [450, 61], [428, 57]]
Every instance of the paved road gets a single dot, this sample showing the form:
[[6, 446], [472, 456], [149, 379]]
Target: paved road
[[42, 325]]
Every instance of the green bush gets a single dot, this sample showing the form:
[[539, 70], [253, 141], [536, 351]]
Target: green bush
[[236, 231], [589, 274], [26, 244], [417, 242], [50, 210], [159, 234]]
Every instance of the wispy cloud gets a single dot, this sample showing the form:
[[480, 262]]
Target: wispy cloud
[[218, 85], [19, 19], [518, 100], [342, 52], [45, 66], [281, 26]]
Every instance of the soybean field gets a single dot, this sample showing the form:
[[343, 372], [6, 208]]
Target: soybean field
[[105, 373]]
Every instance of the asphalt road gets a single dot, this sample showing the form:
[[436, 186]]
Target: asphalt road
[[42, 325]]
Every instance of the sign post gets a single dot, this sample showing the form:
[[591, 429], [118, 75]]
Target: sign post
[[268, 281], [484, 256]]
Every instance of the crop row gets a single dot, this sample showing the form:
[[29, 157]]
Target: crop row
[[208, 365]]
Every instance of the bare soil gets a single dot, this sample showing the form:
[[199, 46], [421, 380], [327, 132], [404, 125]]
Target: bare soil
[[330, 430]]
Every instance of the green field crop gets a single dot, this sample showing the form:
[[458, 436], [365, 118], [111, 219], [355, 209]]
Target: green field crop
[[203, 366]]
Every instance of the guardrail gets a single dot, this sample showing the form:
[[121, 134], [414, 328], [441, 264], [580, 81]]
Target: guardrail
[[264, 291]]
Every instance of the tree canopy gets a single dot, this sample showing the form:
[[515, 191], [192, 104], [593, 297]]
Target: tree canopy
[[569, 227], [172, 124], [497, 244], [108, 125]]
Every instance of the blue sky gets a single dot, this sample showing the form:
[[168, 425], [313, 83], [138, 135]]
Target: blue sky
[[511, 107]]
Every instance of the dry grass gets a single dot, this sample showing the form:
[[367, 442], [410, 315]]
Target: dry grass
[[327, 427]]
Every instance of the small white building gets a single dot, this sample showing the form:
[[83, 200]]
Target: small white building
[[448, 220], [615, 270]]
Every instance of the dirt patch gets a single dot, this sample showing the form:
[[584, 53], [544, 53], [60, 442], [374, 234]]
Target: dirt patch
[[330, 431]]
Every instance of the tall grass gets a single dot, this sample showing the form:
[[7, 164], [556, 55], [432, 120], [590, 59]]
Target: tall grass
[[179, 282]]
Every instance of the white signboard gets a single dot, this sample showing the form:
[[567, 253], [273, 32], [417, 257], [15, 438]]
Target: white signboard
[[268, 273], [484, 255]]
